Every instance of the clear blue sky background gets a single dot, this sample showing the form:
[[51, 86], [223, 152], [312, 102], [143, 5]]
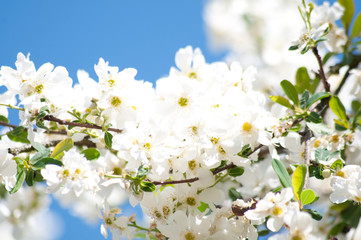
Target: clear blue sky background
[[144, 34]]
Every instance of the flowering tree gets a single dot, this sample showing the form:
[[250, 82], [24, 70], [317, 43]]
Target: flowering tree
[[210, 152]]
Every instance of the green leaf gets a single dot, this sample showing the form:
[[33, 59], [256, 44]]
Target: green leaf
[[338, 108], [307, 197], [318, 128], [356, 29], [264, 232], [282, 173], [236, 171], [314, 214], [142, 171], [351, 215], [303, 80], [338, 164], [322, 154], [245, 152], [62, 146], [335, 230], [304, 99], [292, 48], [316, 171], [282, 101], [348, 13], [290, 91], [314, 117], [42, 152], [298, 180], [108, 138], [295, 128], [314, 85], [327, 57], [234, 194], [45, 161], [203, 207], [91, 153], [30, 178], [20, 178], [147, 186], [4, 119], [18, 135], [355, 105], [315, 97], [356, 119]]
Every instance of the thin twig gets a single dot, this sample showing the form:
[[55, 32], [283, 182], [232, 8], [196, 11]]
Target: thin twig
[[60, 132], [28, 148], [216, 171], [326, 84], [75, 124]]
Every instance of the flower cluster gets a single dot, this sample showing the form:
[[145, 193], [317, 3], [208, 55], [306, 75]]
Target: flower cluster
[[203, 152]]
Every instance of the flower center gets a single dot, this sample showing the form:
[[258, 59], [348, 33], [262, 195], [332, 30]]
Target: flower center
[[183, 102], [191, 201], [247, 127], [115, 101]]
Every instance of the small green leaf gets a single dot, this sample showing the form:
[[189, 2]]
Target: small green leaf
[[91, 153], [20, 178], [108, 138], [338, 164], [142, 171], [4, 119], [298, 180], [303, 80], [234, 194], [292, 48], [42, 152], [290, 91], [307, 197], [347, 14], [314, 85], [356, 119], [314, 117], [236, 171], [282, 101], [282, 173], [45, 161], [355, 105], [319, 128], [315, 97], [336, 229], [314, 214], [338, 108], [147, 186], [322, 154], [62, 146], [356, 29], [30, 178], [327, 57], [245, 152], [351, 215], [304, 99], [203, 207], [18, 135], [264, 232]]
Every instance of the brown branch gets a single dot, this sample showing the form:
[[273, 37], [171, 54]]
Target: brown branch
[[61, 132], [326, 84], [216, 171], [75, 124], [28, 148], [7, 124]]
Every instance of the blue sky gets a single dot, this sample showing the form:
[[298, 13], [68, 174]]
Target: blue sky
[[142, 34]]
